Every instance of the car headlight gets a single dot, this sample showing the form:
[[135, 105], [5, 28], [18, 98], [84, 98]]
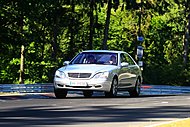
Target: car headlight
[[60, 74], [103, 75]]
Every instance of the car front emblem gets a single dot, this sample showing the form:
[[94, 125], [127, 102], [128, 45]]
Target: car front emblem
[[79, 75]]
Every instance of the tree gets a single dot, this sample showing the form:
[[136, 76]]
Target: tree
[[54, 31], [187, 31], [107, 22]]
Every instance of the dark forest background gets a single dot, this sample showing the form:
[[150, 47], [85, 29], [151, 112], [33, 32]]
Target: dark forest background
[[52, 31]]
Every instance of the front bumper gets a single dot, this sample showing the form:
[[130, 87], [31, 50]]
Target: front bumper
[[82, 84]]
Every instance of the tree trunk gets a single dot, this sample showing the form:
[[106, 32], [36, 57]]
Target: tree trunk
[[21, 78], [54, 43], [91, 24], [71, 47], [186, 36], [21, 24], [104, 45], [55, 34]]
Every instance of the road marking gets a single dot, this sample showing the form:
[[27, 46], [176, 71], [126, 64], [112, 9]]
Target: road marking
[[146, 87], [164, 102]]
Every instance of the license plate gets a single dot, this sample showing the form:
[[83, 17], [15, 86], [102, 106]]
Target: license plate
[[78, 83]]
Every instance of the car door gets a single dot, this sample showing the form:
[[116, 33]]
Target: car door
[[128, 74], [133, 69], [124, 73]]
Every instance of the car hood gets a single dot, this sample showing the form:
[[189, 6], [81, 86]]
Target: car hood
[[81, 68]]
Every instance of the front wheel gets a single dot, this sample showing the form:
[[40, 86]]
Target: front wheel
[[136, 91], [60, 93], [113, 90]]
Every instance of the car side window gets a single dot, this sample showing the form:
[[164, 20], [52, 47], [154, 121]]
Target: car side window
[[127, 58], [122, 58]]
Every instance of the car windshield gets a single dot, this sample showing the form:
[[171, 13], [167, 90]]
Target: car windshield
[[95, 58]]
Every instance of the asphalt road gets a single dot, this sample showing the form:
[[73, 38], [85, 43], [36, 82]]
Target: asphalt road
[[76, 111]]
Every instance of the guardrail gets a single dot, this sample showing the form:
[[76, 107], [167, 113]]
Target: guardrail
[[48, 88], [27, 88], [165, 89]]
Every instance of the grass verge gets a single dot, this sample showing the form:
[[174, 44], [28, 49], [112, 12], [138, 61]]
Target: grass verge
[[177, 123]]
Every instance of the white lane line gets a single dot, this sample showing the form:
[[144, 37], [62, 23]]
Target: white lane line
[[164, 102]]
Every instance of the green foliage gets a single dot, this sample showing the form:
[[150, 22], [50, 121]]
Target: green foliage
[[53, 31]]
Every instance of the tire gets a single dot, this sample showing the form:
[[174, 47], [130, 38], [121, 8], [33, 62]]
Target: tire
[[87, 93], [113, 90], [136, 91], [60, 93]]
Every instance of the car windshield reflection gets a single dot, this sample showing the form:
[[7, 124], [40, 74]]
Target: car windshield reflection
[[95, 58]]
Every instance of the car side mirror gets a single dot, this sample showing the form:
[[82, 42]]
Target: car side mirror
[[65, 63], [124, 64]]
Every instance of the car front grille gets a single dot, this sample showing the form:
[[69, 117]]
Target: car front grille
[[79, 75]]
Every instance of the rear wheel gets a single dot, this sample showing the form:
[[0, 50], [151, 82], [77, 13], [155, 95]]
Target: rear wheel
[[60, 93], [87, 93], [113, 90], [136, 91]]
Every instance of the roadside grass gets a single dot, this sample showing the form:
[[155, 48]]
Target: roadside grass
[[178, 123]]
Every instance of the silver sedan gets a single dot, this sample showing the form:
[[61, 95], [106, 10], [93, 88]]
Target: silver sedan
[[98, 70]]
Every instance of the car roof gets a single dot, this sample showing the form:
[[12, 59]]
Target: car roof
[[106, 51]]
